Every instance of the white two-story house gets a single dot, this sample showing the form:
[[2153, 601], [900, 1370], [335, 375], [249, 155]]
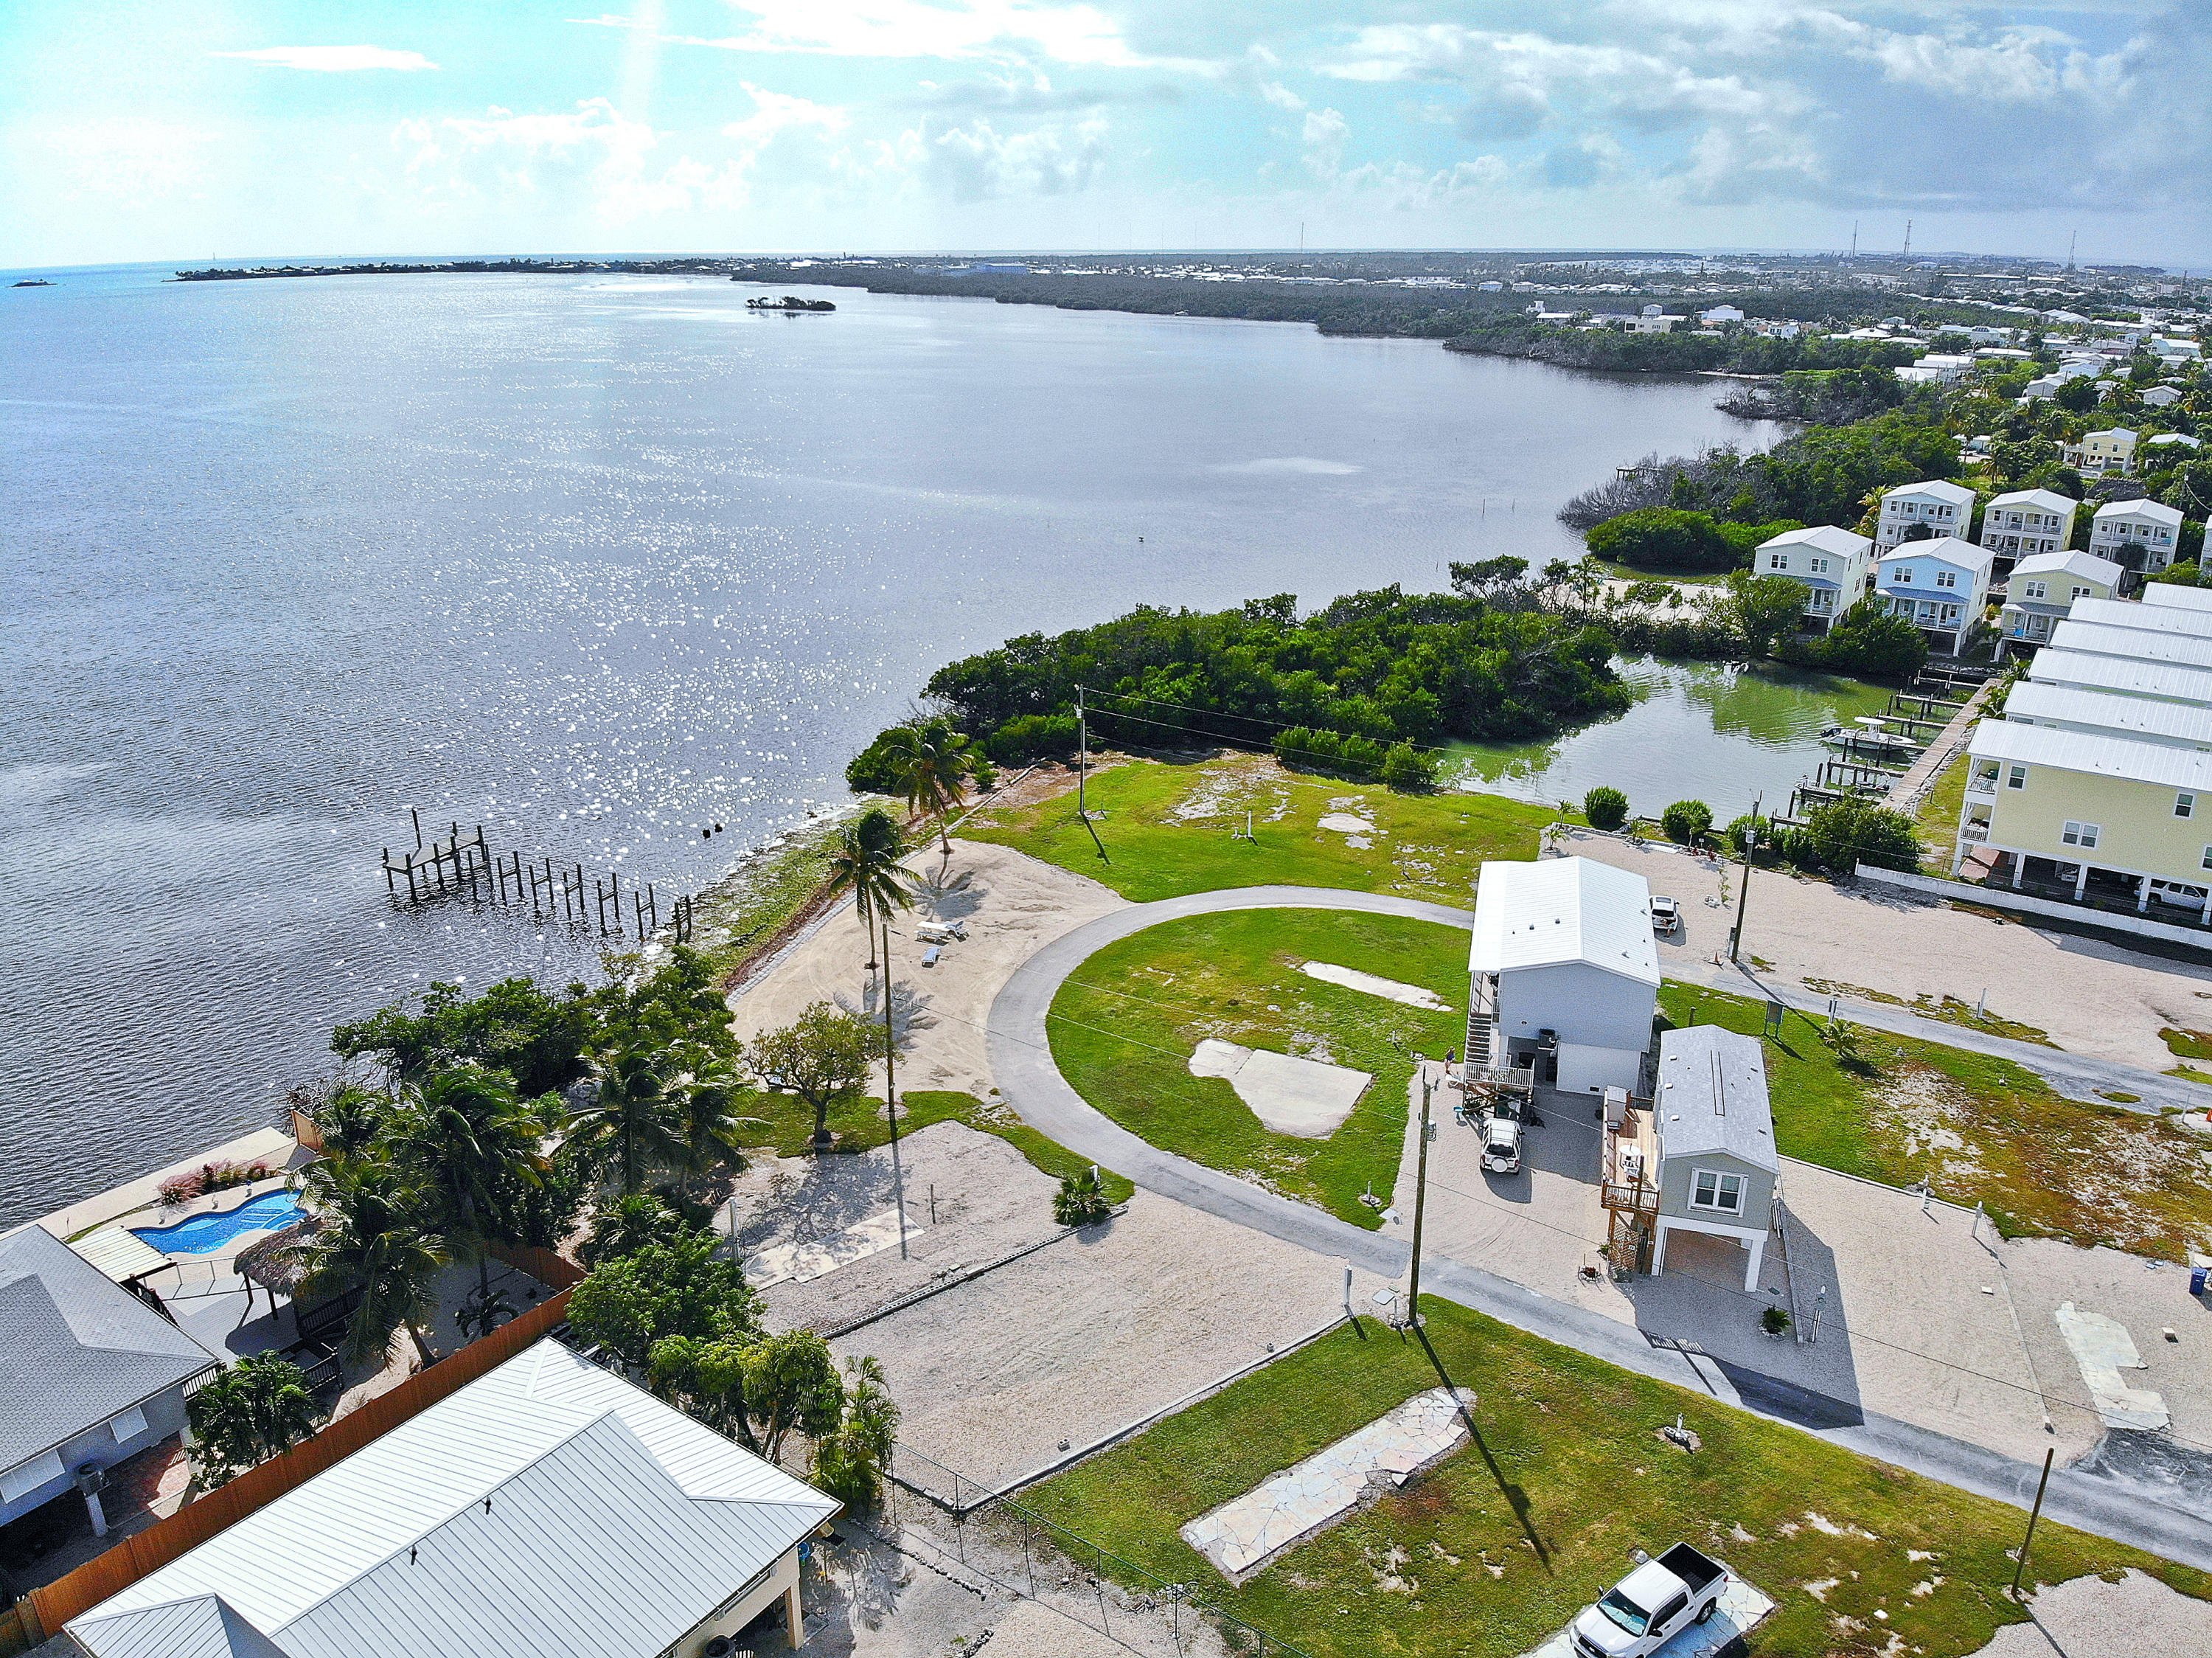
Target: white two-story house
[[2135, 535], [1941, 586], [1832, 565], [1936, 508], [2043, 588], [2025, 524]]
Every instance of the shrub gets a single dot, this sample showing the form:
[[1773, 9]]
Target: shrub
[[1750, 829], [872, 770], [1847, 833], [1774, 1321], [1326, 750], [1865, 641], [1606, 808], [1662, 537], [1406, 769], [1081, 1200], [182, 1188], [1031, 738], [1687, 821]]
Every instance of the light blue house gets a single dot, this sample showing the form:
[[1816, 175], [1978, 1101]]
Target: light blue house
[[1940, 586], [89, 1374]]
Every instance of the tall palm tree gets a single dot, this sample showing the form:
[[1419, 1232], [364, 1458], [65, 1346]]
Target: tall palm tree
[[471, 1142], [866, 864], [707, 1120], [931, 761], [634, 1116], [370, 1242]]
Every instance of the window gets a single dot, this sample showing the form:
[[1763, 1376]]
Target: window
[[2034, 590], [2207, 864], [1711, 1189], [2017, 777], [1777, 561], [2081, 593], [2184, 805], [1947, 578], [27, 1477], [1819, 567], [1905, 573], [1950, 612], [2083, 835], [128, 1426]]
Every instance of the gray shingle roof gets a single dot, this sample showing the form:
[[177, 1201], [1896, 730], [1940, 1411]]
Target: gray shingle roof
[[75, 1348], [1712, 1096]]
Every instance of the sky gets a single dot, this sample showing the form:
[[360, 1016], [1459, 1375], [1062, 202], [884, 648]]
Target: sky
[[161, 132]]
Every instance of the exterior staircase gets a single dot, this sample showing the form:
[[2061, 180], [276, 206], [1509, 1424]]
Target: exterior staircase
[[1481, 1028]]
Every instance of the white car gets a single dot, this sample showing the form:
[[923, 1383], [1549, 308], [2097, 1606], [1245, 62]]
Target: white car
[[1646, 1609], [1501, 1145], [1666, 914]]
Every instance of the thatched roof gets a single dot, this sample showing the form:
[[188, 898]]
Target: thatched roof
[[279, 1261]]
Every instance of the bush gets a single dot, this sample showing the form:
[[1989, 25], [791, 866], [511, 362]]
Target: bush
[[1865, 641], [1845, 833], [1606, 808], [1031, 738], [1774, 1321], [1750, 829], [1327, 751], [1407, 770], [1662, 537], [871, 771], [1687, 821], [1081, 1200]]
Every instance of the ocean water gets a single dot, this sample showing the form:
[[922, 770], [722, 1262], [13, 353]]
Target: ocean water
[[595, 562]]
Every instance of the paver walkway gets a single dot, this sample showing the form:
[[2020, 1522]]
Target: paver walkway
[[1020, 1059]]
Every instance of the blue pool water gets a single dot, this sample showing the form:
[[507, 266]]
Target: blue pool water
[[203, 1235]]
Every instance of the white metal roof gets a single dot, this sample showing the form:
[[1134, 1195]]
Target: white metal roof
[[1934, 489], [1821, 538], [2156, 511], [1946, 549], [2185, 725], [2175, 595], [2041, 500], [2138, 644], [2073, 563], [1563, 909], [547, 1509], [2122, 674], [2097, 753], [2146, 618], [1712, 1096]]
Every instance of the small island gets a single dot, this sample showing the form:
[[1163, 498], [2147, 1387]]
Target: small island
[[789, 305], [34, 282]]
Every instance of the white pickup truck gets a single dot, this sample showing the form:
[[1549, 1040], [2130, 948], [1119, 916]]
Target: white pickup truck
[[1649, 1606]]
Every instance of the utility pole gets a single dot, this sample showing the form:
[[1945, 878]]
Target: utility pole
[[1908, 238], [1743, 890], [890, 1089], [1420, 1198], [2020, 1564], [1083, 771], [1855, 240]]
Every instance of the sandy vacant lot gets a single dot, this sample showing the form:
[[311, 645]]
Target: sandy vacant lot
[[2092, 997], [2137, 1616], [970, 1199], [1011, 904], [1086, 1336]]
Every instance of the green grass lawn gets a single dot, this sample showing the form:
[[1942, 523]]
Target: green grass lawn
[[1123, 1027], [1983, 1130], [786, 1127], [1937, 820], [1505, 1540], [1169, 829]]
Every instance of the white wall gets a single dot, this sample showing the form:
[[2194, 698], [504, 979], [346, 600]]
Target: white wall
[[1588, 1006]]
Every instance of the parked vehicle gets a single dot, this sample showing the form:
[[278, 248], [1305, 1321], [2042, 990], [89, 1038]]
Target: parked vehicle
[[1501, 1143], [1646, 1609], [2176, 893], [1666, 914], [940, 932]]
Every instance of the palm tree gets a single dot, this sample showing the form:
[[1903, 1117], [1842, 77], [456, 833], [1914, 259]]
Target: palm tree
[[633, 1116], [471, 1141], [931, 761], [369, 1241], [867, 865], [707, 1120]]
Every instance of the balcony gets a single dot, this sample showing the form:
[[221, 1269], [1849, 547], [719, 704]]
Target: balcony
[[1976, 834], [1985, 788]]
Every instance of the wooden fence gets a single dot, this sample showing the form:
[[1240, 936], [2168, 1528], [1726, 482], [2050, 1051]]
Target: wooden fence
[[45, 1609], [554, 1271]]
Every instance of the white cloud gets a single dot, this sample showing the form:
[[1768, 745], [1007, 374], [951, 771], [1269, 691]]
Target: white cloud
[[332, 60], [1281, 97], [1324, 136], [974, 161], [1071, 32]]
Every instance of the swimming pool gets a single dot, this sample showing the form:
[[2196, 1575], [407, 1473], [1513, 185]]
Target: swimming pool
[[203, 1235]]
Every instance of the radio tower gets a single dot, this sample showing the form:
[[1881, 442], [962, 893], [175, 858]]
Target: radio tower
[[2072, 243], [1908, 238]]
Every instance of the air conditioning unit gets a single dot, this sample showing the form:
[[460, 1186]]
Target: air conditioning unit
[[720, 1647]]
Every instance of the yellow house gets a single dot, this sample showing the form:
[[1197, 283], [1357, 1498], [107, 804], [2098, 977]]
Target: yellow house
[[2134, 817]]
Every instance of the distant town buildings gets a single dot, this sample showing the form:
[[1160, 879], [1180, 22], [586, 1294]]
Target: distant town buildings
[[2112, 450]]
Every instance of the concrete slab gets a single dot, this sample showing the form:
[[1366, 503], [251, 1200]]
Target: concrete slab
[[1741, 1610], [1290, 1095], [2102, 1348], [1244, 1534], [1390, 990], [806, 1260]]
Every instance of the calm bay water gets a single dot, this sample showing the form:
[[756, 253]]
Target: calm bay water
[[1698, 729], [595, 562]]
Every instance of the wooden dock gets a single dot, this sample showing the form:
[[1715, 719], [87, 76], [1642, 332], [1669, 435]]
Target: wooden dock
[[457, 865]]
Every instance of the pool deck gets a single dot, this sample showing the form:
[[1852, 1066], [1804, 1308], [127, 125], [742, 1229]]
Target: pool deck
[[272, 1146]]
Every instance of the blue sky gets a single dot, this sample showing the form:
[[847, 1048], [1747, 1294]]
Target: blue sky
[[167, 132]]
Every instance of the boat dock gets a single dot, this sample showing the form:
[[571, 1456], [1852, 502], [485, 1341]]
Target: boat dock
[[458, 865]]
